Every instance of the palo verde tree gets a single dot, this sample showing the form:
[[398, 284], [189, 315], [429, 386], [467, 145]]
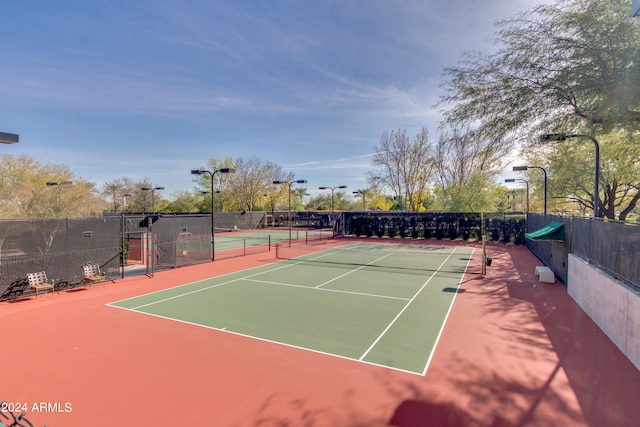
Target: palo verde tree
[[403, 165], [48, 192], [570, 67], [31, 189]]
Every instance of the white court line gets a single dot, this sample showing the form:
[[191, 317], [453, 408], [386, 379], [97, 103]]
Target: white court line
[[280, 267], [444, 322], [291, 345], [224, 329], [326, 290], [405, 307], [352, 271]]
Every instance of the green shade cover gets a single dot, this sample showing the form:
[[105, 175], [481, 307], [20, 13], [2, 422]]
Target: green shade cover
[[551, 231]]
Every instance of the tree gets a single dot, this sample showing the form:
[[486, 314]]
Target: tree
[[568, 67], [404, 166], [186, 202], [466, 165], [573, 64], [297, 197], [252, 180], [224, 199], [372, 198], [25, 193], [571, 167], [119, 192]]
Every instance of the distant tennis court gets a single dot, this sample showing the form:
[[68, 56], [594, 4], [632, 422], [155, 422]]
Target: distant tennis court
[[383, 304], [236, 242]]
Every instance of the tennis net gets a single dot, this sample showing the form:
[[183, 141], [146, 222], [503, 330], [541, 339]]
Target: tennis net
[[383, 256]]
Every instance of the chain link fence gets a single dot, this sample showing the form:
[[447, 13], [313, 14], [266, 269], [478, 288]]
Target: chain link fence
[[612, 246], [61, 247]]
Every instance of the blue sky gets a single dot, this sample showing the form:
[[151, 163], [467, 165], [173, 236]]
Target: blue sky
[[152, 88]]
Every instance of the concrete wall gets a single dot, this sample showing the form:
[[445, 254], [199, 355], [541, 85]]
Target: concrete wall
[[612, 305]]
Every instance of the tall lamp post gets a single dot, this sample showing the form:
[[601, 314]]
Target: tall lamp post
[[560, 137], [364, 200], [521, 180], [332, 188], [58, 184], [124, 201], [524, 168], [153, 192], [212, 174], [333, 214], [290, 183]]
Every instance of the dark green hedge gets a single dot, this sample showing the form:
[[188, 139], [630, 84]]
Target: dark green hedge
[[503, 228]]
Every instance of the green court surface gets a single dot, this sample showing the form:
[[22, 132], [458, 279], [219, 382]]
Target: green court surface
[[235, 239], [380, 304]]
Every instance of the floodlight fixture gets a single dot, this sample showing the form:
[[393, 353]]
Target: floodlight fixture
[[560, 137], [544, 171], [153, 191], [364, 200], [332, 189], [9, 138], [550, 137], [290, 183], [521, 180], [212, 174]]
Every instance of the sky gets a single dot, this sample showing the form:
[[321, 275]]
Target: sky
[[150, 89]]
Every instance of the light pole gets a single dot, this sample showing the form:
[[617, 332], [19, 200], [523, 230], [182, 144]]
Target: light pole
[[212, 174], [290, 183], [124, 202], [524, 168], [521, 180], [58, 184], [153, 201], [332, 188], [364, 200], [562, 137]]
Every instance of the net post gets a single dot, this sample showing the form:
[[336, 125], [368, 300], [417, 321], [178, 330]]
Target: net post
[[277, 250], [484, 255], [484, 244]]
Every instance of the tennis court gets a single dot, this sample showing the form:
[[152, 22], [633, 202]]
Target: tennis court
[[508, 338], [379, 304], [236, 242]]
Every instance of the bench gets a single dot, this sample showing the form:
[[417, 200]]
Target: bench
[[92, 273], [39, 282], [545, 274]]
